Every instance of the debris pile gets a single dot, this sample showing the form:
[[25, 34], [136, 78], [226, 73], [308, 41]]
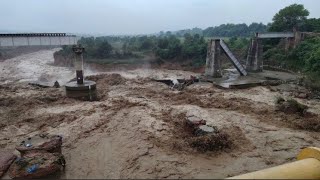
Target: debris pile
[[178, 84], [211, 142], [205, 137], [290, 106], [40, 156]]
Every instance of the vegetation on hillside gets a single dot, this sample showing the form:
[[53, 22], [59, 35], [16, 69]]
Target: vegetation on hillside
[[305, 57]]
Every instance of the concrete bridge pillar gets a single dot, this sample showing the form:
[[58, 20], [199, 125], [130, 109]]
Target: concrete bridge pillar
[[213, 62], [254, 59], [298, 37], [78, 50]]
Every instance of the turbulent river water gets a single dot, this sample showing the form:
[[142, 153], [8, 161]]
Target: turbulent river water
[[34, 67], [134, 130]]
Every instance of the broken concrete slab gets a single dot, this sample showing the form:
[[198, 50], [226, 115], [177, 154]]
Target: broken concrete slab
[[44, 84], [235, 81], [40, 142], [6, 159]]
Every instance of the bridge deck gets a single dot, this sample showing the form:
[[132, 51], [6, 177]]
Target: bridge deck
[[37, 39], [275, 35]]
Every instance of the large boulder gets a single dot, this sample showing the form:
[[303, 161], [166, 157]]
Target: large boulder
[[36, 164], [6, 159], [40, 143]]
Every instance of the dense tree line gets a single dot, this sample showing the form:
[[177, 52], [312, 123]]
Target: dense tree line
[[171, 46], [225, 30]]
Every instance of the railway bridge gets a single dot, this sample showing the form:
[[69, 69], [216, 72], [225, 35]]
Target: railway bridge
[[37, 39]]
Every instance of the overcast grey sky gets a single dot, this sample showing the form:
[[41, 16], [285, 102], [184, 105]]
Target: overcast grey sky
[[136, 16]]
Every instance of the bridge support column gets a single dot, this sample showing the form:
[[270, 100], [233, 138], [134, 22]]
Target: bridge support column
[[254, 59], [298, 37], [78, 50], [80, 89], [213, 62]]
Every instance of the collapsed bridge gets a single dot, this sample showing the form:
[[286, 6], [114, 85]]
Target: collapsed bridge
[[254, 61]]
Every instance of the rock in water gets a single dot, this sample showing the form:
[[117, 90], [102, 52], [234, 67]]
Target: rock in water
[[204, 129], [36, 164], [6, 159], [56, 84]]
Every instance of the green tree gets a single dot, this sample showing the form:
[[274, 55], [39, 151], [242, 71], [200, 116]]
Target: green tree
[[313, 25], [168, 47], [104, 50], [146, 43], [293, 16], [194, 47]]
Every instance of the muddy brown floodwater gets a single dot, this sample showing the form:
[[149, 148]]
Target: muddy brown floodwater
[[135, 128]]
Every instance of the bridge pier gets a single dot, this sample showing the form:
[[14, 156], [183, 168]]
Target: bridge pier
[[80, 88], [254, 59], [78, 64], [213, 62]]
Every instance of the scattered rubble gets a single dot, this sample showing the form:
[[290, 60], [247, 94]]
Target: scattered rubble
[[36, 165], [40, 156]]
